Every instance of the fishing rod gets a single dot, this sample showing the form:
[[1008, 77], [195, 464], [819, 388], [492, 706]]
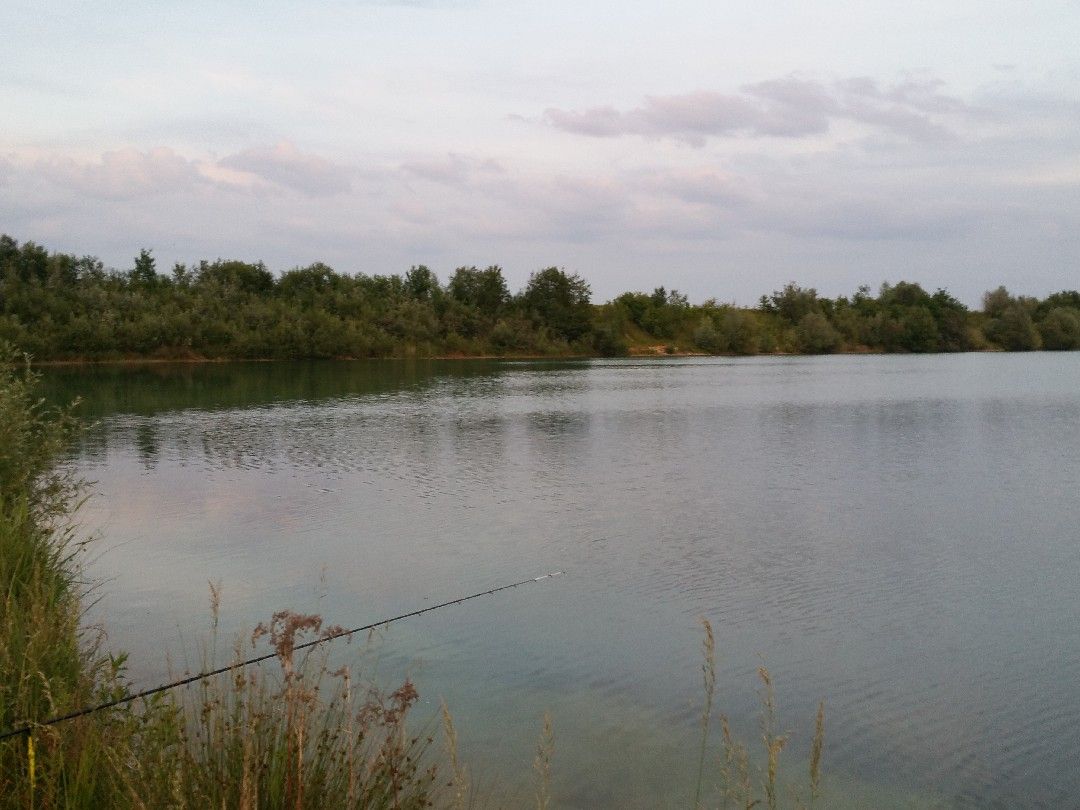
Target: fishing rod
[[27, 729]]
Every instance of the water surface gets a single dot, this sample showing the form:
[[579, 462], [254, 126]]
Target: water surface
[[896, 535]]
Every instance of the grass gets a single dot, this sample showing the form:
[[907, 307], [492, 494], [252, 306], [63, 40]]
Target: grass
[[49, 663], [741, 785], [294, 733]]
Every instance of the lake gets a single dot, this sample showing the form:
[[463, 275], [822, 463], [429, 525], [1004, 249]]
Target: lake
[[896, 535]]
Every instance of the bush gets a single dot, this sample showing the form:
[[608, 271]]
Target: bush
[[739, 331], [815, 335], [707, 337], [1060, 329], [1013, 330]]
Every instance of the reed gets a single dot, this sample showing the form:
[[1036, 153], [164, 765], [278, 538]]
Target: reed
[[49, 663], [739, 788], [293, 735], [459, 784], [545, 751], [708, 669]]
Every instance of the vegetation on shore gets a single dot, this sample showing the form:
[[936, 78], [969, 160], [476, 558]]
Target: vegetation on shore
[[63, 307]]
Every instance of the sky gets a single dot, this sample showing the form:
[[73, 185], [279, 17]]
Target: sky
[[720, 148]]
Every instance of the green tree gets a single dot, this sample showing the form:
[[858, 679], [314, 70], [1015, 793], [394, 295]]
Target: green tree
[[815, 335], [609, 330], [793, 302], [307, 285], [1013, 330], [995, 302], [919, 331], [952, 322], [145, 272], [1009, 323], [740, 332], [902, 294], [485, 289], [637, 305], [421, 283], [707, 336], [560, 301], [1060, 329], [236, 276]]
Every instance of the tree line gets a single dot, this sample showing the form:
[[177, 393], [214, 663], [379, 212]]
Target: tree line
[[59, 306]]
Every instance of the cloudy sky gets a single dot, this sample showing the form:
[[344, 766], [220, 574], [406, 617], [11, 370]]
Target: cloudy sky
[[718, 147]]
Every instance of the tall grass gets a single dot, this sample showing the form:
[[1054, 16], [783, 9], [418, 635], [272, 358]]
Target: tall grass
[[295, 735], [49, 663], [743, 786]]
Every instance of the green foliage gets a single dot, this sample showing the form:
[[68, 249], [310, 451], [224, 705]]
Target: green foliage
[[476, 298], [707, 336], [728, 330], [1060, 329], [740, 332], [48, 665], [815, 335], [485, 290], [421, 284], [609, 331], [793, 303], [919, 330], [560, 302], [32, 437], [1009, 322], [1069, 299], [953, 323], [58, 306]]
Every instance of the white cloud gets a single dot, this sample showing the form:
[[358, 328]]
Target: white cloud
[[789, 107], [452, 169], [285, 165], [123, 174]]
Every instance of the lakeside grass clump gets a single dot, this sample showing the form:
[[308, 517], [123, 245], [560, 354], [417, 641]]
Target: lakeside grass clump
[[293, 733]]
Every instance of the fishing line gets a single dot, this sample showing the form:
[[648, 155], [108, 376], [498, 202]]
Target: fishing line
[[23, 730]]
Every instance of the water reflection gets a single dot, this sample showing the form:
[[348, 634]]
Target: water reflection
[[895, 534]]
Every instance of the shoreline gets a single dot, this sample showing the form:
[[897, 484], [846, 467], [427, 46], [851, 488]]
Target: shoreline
[[635, 353]]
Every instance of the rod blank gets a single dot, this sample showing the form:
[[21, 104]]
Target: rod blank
[[24, 730]]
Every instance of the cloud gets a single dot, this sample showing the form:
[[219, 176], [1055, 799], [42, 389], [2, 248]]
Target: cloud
[[698, 187], [124, 174], [789, 107], [285, 165], [452, 169], [870, 219]]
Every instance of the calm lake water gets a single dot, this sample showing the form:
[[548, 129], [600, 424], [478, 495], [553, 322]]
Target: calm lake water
[[895, 535]]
